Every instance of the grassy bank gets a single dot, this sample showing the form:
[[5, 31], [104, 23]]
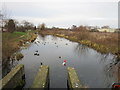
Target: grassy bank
[[102, 42], [11, 42]]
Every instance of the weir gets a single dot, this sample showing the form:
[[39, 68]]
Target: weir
[[73, 81], [15, 78], [42, 78]]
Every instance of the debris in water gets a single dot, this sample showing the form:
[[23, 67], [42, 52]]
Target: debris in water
[[38, 41], [41, 63], [36, 51], [110, 66], [115, 63], [38, 54], [64, 63], [59, 56]]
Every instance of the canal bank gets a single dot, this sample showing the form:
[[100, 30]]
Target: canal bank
[[12, 43], [99, 47]]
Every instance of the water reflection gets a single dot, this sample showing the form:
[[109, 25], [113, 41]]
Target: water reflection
[[7, 66], [81, 49], [41, 37], [107, 61], [113, 69], [54, 38]]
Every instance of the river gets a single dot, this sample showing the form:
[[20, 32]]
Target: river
[[93, 68]]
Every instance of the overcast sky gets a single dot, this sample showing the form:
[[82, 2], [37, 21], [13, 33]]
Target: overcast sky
[[64, 13]]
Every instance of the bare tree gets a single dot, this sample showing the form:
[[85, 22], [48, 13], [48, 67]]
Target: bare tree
[[27, 25], [41, 26], [4, 16], [1, 21], [107, 27]]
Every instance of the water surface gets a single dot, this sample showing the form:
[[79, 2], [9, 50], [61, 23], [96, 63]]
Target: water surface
[[91, 66]]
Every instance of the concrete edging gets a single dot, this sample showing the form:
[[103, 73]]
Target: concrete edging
[[15, 78]]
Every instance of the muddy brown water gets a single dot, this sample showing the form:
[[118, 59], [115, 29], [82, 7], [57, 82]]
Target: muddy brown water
[[93, 68]]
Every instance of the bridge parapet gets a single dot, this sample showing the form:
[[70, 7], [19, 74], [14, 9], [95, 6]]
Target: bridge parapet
[[42, 78], [73, 80], [15, 78]]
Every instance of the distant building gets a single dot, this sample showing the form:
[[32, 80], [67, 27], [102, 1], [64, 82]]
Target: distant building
[[117, 30], [106, 30], [93, 28], [4, 30]]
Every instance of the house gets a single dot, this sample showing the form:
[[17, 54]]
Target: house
[[93, 28], [106, 30]]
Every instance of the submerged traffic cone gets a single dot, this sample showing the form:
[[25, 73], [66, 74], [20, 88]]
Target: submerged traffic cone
[[64, 62]]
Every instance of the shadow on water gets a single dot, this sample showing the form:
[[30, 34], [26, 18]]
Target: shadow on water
[[113, 70], [111, 67], [8, 65]]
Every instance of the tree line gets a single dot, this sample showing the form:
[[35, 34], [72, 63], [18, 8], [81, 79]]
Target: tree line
[[12, 25]]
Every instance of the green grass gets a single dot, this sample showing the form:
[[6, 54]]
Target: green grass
[[20, 33], [10, 36]]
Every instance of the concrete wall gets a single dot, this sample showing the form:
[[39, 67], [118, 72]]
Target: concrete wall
[[15, 78], [73, 80], [42, 78]]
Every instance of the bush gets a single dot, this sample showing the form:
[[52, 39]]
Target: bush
[[19, 56]]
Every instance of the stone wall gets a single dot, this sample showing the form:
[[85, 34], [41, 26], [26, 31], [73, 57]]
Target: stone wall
[[15, 78]]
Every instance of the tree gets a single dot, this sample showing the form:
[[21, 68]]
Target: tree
[[11, 25], [4, 16], [27, 25], [34, 27], [42, 26], [1, 21], [107, 27]]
